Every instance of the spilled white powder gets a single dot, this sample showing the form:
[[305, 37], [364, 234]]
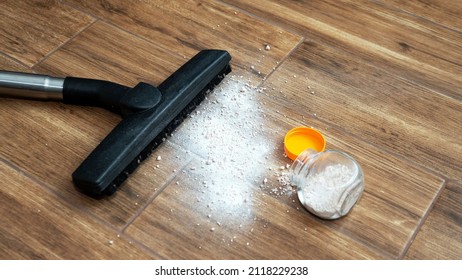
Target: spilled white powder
[[283, 188], [321, 193], [232, 148]]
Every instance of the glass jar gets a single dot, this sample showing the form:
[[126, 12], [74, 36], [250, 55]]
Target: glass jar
[[329, 183]]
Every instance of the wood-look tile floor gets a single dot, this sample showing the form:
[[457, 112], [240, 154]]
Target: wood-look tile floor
[[380, 79]]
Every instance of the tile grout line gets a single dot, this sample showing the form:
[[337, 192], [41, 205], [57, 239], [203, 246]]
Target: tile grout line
[[423, 168], [255, 16], [72, 38], [297, 46], [44, 185], [423, 220], [140, 37], [266, 20], [405, 159], [73, 207], [46, 188], [147, 40], [419, 222], [146, 205], [285, 58], [15, 60], [154, 196], [113, 25], [273, 24], [303, 32], [28, 175]]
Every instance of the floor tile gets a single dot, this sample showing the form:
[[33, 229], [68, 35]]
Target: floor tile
[[32, 30], [54, 229]]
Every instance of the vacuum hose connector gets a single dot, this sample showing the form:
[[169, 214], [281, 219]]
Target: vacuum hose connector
[[117, 98]]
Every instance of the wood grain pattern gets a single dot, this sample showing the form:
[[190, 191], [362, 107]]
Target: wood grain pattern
[[64, 135], [388, 111], [222, 209], [38, 225], [228, 193], [231, 227], [9, 64], [409, 46], [380, 79], [441, 234], [58, 147], [195, 25], [106, 52], [446, 13], [75, 133], [30, 30]]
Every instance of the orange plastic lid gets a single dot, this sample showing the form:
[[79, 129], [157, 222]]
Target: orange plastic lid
[[301, 138]]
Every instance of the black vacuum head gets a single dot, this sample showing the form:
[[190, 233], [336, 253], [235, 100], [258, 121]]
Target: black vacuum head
[[149, 115]]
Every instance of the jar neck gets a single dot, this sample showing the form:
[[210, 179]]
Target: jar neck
[[301, 165]]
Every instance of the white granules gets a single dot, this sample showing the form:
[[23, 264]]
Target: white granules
[[285, 188], [283, 179], [228, 131], [321, 192], [232, 148]]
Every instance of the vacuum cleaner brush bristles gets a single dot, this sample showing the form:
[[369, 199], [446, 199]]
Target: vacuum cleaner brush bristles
[[149, 115]]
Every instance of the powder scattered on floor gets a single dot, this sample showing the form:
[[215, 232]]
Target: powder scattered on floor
[[228, 130], [283, 179], [228, 136]]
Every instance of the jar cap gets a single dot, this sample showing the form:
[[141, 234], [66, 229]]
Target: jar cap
[[301, 138]]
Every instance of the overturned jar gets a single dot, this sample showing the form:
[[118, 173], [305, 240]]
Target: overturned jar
[[329, 183]]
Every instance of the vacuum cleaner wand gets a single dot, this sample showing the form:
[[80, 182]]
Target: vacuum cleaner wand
[[148, 113]]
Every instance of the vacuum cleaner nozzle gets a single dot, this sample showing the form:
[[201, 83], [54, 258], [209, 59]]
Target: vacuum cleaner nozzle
[[149, 114]]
